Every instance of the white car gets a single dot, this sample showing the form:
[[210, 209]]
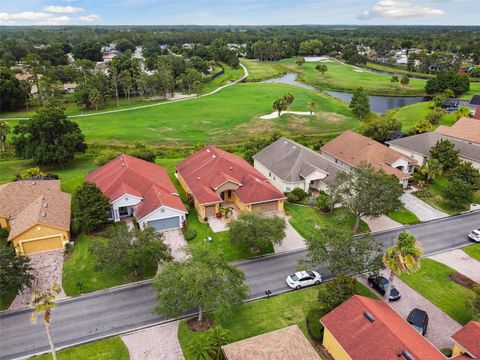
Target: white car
[[303, 278], [474, 235]]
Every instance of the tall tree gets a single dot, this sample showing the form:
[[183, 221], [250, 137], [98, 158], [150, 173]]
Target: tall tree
[[4, 131], [254, 230], [321, 68], [35, 67], [44, 302], [445, 152], [48, 137], [367, 192], [380, 127], [205, 280], [300, 62], [280, 105], [11, 90], [428, 172], [405, 80], [343, 253], [95, 98], [359, 104], [15, 271], [403, 257], [90, 208], [458, 193], [466, 172]]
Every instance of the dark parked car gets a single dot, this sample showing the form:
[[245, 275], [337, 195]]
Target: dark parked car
[[379, 283], [419, 320]]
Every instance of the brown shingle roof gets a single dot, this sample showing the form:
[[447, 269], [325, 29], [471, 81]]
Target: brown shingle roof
[[465, 128], [285, 344], [353, 149], [28, 203], [469, 338]]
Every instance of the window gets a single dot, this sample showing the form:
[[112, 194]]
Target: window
[[162, 210], [287, 188], [269, 174]]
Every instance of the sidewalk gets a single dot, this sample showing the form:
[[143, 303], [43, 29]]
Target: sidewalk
[[460, 261]]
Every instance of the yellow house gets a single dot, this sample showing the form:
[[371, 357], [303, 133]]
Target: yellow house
[[364, 329], [212, 178], [36, 214], [467, 341]]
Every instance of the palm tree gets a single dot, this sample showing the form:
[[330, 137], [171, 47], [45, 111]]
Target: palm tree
[[288, 99], [201, 347], [404, 257], [311, 107], [95, 98], [226, 211], [463, 111], [321, 68], [44, 302], [4, 131], [394, 80], [280, 105]]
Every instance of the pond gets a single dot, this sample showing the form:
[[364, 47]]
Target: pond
[[378, 104]]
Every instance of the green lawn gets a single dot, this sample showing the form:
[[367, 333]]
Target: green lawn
[[266, 315], [394, 70], [230, 74], [434, 196], [6, 300], [411, 114], [473, 251], [80, 267], [72, 175], [108, 349], [304, 219], [404, 216], [433, 283], [262, 70], [227, 117]]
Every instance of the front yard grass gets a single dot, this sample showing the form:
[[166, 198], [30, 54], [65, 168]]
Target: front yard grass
[[305, 218], [108, 349], [432, 281], [80, 268], [473, 251], [265, 315], [404, 216]]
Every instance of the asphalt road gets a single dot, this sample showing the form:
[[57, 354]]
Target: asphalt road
[[109, 312]]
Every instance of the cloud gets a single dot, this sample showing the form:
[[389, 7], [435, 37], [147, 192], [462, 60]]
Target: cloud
[[62, 9], [88, 18], [399, 9], [55, 20], [24, 16]]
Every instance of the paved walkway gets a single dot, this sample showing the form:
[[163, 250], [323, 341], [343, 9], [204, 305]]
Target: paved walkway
[[155, 343], [47, 270], [460, 261], [420, 208], [440, 326], [381, 223], [177, 243]]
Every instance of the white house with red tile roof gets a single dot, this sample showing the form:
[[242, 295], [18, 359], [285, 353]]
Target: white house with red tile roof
[[136, 187], [212, 177]]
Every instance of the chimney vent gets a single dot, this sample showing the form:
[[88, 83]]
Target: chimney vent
[[369, 316], [44, 214], [407, 355], [45, 205]]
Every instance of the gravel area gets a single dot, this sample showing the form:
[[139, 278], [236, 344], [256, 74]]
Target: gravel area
[[460, 261], [47, 270], [440, 325], [158, 342]]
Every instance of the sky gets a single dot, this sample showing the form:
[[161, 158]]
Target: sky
[[239, 12]]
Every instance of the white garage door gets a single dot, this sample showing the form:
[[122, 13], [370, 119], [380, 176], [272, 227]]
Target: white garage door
[[165, 224]]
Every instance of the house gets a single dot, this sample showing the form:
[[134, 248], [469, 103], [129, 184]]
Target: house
[[418, 147], [285, 344], [37, 215], [138, 188], [350, 149], [289, 165], [464, 129], [467, 341], [363, 329], [212, 177], [453, 104]]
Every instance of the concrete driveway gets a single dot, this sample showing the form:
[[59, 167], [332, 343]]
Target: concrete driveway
[[381, 223], [460, 261], [440, 325], [176, 241], [292, 241], [420, 208]]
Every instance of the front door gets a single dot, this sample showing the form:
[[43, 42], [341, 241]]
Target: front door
[[123, 211]]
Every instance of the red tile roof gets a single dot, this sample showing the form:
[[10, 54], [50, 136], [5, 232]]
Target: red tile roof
[[210, 167], [129, 175], [353, 149], [385, 338], [468, 338]]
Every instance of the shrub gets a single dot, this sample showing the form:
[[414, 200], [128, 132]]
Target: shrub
[[292, 198], [135, 223], [322, 201], [3, 236], [105, 156], [315, 328], [189, 234], [68, 248], [301, 194], [447, 352], [435, 115]]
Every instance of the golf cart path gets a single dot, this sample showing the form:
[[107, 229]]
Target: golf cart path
[[245, 75]]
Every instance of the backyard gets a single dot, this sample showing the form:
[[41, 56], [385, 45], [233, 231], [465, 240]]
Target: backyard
[[411, 114], [434, 283], [265, 315]]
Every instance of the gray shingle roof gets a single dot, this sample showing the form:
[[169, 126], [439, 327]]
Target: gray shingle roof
[[422, 143], [292, 162]]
